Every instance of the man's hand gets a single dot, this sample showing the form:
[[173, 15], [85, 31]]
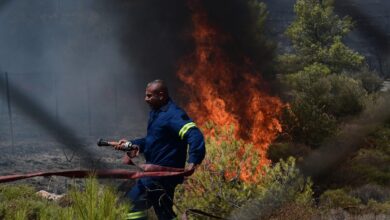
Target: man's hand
[[190, 169], [131, 154], [134, 152], [191, 166], [120, 144]]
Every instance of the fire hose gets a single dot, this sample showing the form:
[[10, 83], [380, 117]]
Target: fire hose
[[146, 170]]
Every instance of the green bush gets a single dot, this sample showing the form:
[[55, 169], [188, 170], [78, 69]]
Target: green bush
[[338, 198], [377, 207], [319, 101], [321, 95], [95, 202], [371, 82], [336, 95], [371, 192], [346, 96], [295, 211], [214, 189], [316, 35], [282, 186], [20, 202], [370, 164], [308, 124]]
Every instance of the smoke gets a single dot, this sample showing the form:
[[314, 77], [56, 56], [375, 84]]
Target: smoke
[[62, 133], [350, 138], [372, 24], [77, 70], [84, 64], [240, 19]]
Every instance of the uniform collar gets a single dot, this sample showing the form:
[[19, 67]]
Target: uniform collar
[[163, 108], [166, 106]]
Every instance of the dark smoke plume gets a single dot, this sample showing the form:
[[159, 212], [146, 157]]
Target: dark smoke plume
[[238, 19]]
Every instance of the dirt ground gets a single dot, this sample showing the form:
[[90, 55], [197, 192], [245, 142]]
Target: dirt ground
[[28, 156]]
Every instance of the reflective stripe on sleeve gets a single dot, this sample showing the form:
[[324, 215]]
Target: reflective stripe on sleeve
[[185, 128], [136, 215]]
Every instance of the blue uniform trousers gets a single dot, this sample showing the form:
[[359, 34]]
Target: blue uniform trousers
[[156, 192]]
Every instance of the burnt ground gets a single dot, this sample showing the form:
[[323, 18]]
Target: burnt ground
[[28, 156]]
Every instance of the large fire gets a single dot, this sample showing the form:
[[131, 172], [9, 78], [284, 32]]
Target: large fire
[[226, 92]]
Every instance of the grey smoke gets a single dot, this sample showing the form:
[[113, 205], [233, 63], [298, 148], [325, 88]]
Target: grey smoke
[[77, 69]]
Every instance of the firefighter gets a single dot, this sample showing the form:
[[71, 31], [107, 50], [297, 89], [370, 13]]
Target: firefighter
[[169, 133]]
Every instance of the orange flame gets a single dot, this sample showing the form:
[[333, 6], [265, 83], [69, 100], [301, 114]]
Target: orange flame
[[227, 93]]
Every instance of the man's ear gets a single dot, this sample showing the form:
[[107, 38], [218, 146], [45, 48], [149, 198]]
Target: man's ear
[[161, 95]]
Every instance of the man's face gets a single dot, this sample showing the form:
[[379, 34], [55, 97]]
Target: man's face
[[153, 97]]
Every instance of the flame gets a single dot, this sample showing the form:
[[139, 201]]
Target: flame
[[227, 93]]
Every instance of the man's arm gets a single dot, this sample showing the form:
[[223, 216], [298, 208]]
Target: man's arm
[[187, 131], [197, 149]]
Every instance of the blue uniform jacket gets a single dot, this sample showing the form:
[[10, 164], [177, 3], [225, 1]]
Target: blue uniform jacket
[[169, 133]]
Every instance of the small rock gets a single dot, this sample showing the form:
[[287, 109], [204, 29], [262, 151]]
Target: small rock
[[49, 196]]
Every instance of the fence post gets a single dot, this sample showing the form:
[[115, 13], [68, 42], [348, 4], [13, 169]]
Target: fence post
[[8, 94]]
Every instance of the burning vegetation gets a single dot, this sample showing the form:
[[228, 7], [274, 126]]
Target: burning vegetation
[[228, 92], [333, 128]]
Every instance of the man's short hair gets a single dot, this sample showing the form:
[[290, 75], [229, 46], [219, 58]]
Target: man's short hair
[[161, 86]]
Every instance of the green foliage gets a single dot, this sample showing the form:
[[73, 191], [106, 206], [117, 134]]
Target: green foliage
[[295, 211], [370, 164], [316, 35], [259, 13], [213, 189], [377, 207], [345, 96], [319, 99], [261, 48], [306, 123], [283, 185], [338, 198], [20, 202], [321, 92], [371, 82], [96, 202], [303, 80], [337, 95], [371, 192]]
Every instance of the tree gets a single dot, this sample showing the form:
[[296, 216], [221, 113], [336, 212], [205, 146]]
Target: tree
[[316, 35], [321, 91]]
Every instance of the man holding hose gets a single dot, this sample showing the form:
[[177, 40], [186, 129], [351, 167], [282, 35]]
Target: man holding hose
[[170, 132]]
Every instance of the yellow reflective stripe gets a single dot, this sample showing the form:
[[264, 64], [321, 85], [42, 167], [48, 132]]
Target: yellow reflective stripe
[[136, 215], [185, 128]]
